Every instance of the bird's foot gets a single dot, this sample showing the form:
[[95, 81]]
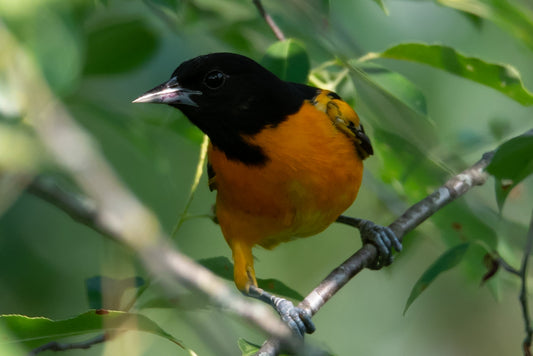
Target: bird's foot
[[297, 319], [383, 238]]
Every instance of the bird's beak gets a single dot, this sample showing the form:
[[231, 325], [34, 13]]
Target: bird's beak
[[170, 92]]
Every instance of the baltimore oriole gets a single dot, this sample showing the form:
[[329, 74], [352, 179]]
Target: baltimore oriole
[[286, 160]]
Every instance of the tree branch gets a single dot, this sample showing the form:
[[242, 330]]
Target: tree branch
[[411, 218], [269, 20]]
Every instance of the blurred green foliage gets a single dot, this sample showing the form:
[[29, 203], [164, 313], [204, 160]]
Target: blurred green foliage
[[425, 125]]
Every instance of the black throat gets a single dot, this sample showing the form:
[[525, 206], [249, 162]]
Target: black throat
[[227, 128]]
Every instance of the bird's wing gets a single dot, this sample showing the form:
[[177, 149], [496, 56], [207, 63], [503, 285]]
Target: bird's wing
[[345, 120]]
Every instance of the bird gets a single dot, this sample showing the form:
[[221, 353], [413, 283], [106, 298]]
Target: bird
[[286, 160]]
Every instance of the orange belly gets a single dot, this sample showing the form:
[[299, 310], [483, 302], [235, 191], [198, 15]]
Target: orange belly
[[313, 175]]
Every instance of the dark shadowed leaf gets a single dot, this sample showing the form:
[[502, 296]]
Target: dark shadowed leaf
[[288, 60], [512, 163], [446, 261], [492, 265], [129, 43]]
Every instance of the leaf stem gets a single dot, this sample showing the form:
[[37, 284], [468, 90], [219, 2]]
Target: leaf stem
[[199, 171]]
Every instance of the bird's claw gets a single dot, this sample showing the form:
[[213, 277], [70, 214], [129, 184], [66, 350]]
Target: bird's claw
[[383, 238], [298, 319]]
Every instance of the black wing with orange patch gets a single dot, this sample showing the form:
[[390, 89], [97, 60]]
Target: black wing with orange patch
[[345, 120]]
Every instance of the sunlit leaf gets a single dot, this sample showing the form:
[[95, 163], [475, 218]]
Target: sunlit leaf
[[196, 180], [509, 15], [120, 47], [223, 268], [512, 163], [36, 331], [288, 60], [445, 262], [501, 77]]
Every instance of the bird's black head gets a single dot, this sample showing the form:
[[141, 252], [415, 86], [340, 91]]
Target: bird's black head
[[229, 96]]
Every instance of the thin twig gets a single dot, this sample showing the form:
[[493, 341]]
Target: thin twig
[[411, 218], [56, 346], [506, 266], [526, 345], [269, 20]]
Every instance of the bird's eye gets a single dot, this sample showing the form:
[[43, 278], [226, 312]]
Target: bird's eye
[[214, 79]]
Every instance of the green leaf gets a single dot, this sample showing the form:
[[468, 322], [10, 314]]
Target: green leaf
[[446, 261], [120, 47], [501, 77], [288, 60], [509, 15], [223, 268], [102, 289], [386, 111], [247, 348], [397, 85], [382, 6], [512, 163], [36, 331]]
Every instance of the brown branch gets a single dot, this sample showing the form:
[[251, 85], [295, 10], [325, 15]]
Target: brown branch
[[269, 20], [410, 219]]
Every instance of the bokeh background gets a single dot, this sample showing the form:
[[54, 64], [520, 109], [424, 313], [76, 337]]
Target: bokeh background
[[98, 55]]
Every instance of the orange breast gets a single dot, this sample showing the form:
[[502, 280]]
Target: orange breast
[[313, 174]]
